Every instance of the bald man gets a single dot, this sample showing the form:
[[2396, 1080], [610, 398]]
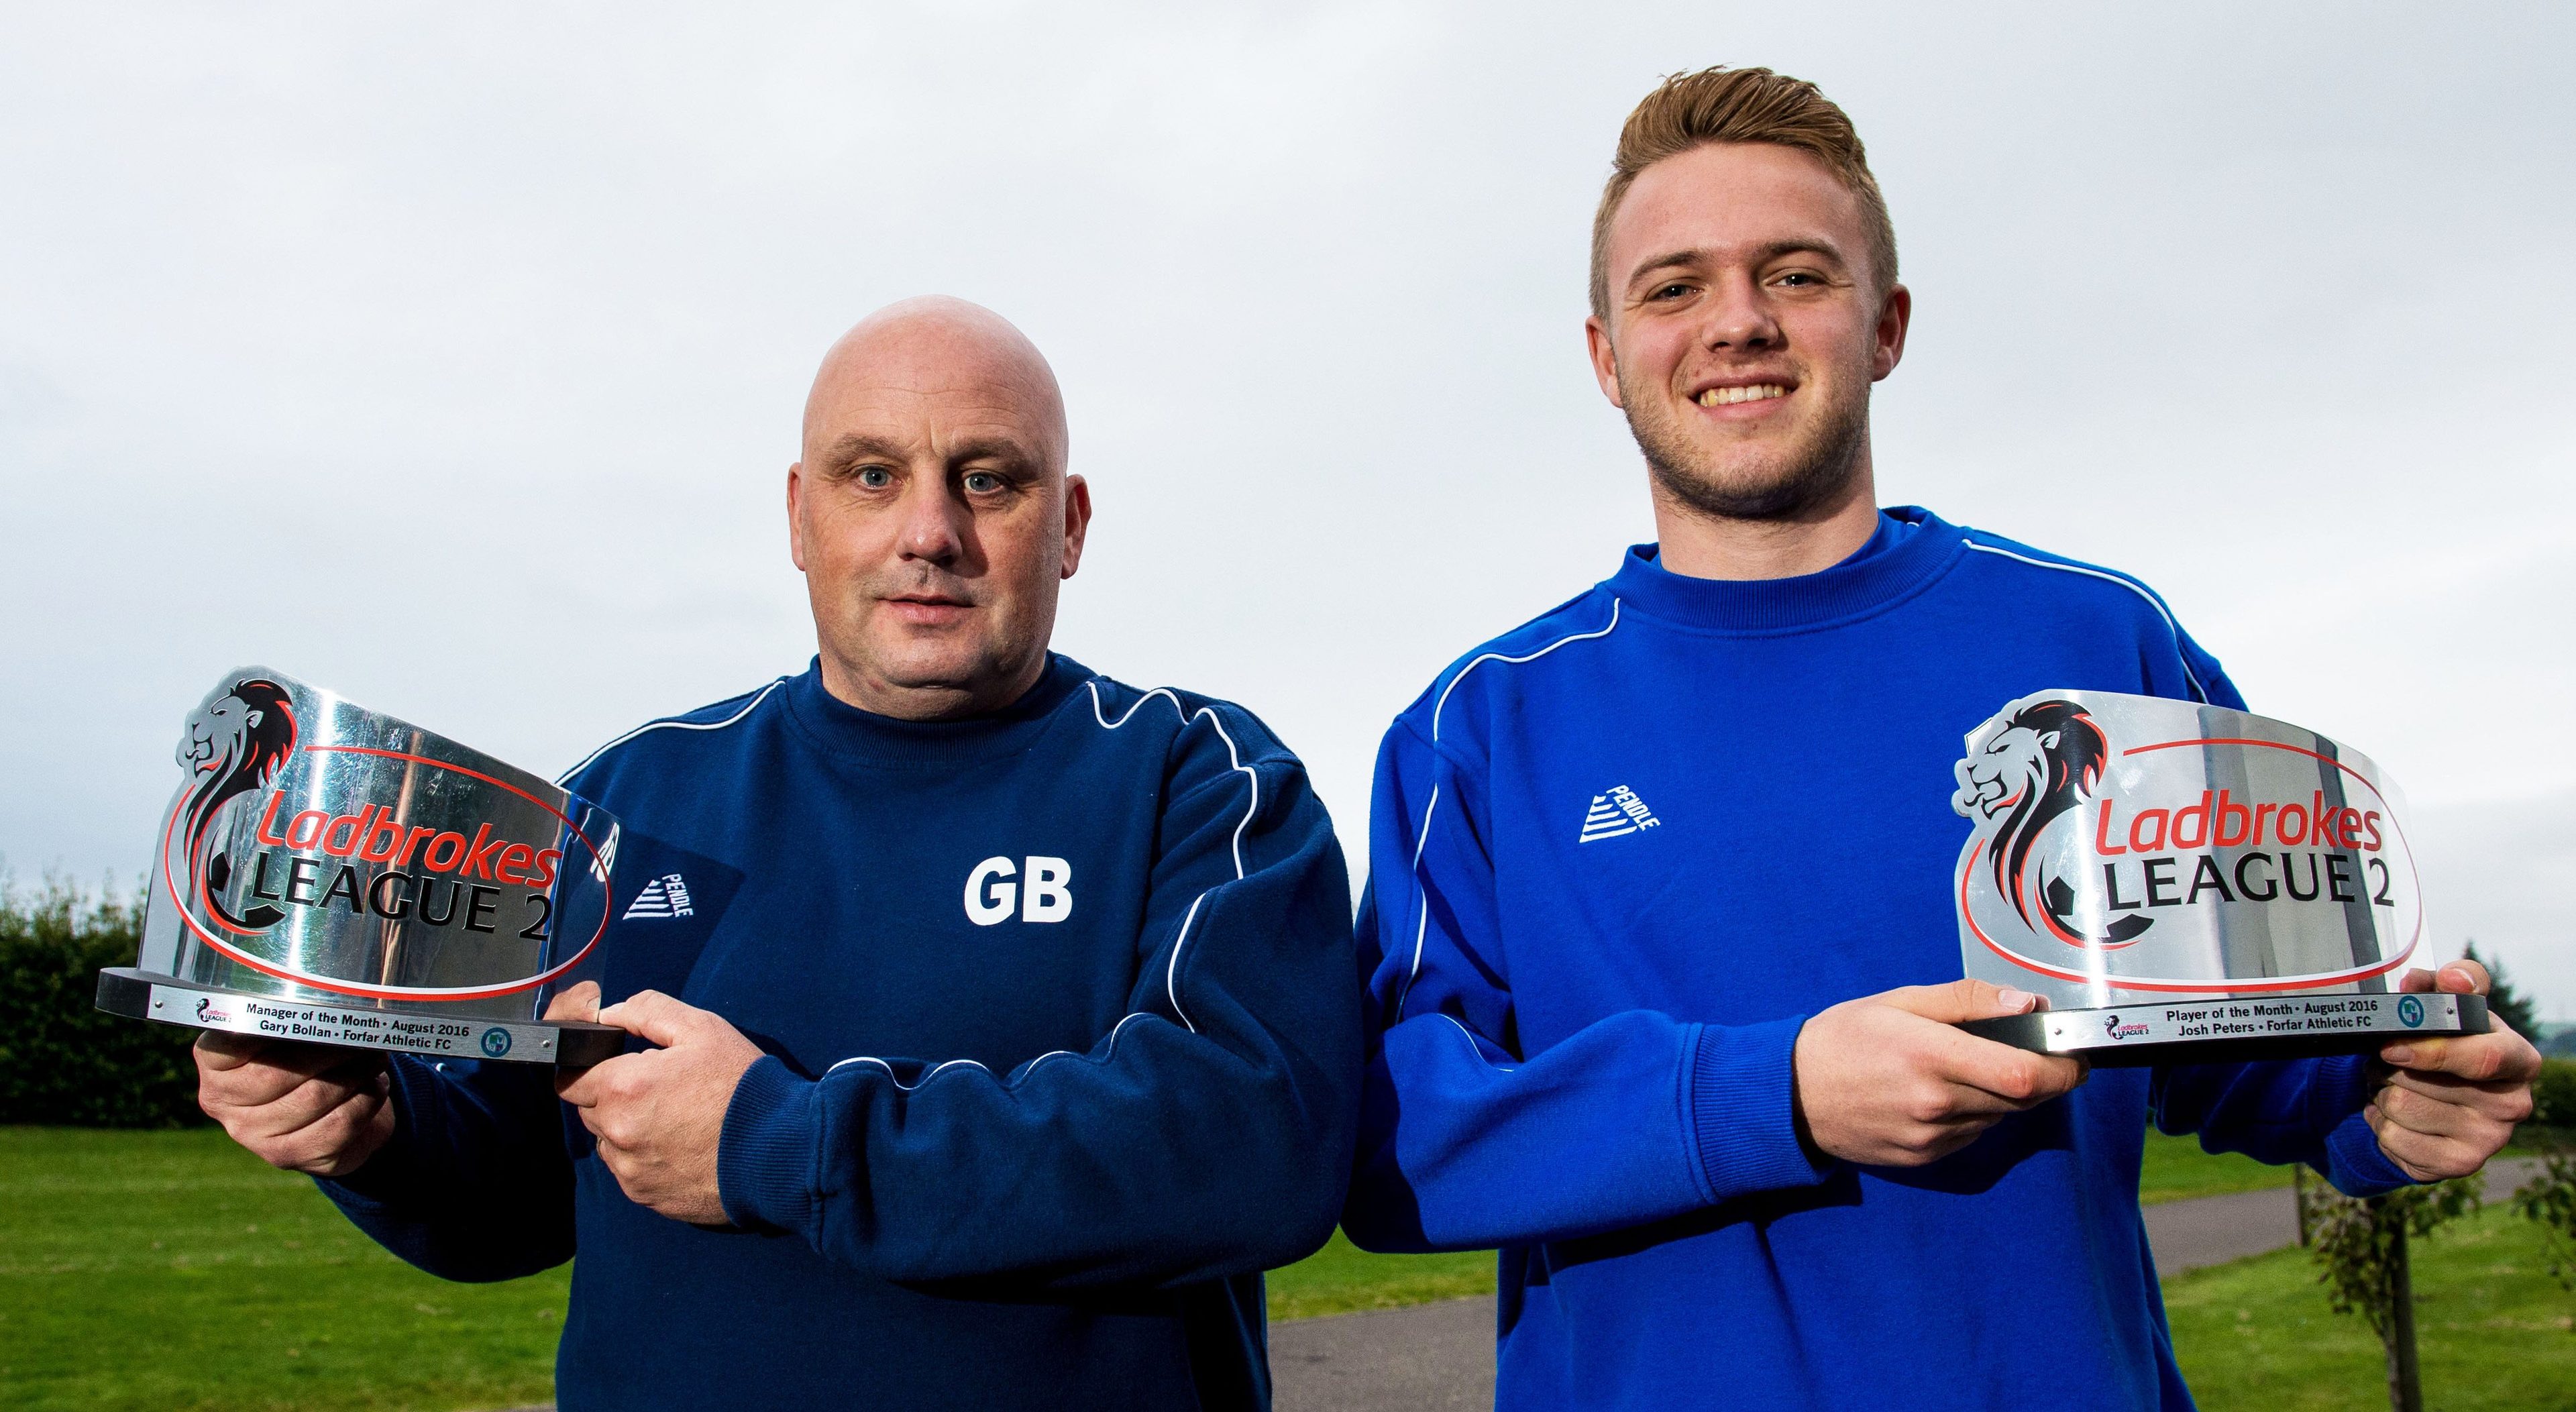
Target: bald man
[[995, 1023]]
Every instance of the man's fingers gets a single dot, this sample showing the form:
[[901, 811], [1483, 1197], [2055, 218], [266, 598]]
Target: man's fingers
[[1963, 999], [580, 1002], [585, 1088], [2498, 1056], [300, 1108], [2463, 977], [221, 1050], [655, 1016], [2415, 982], [2016, 1076], [2506, 1103], [2424, 1156], [2476, 1118]]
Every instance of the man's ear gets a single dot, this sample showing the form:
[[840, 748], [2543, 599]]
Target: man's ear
[[796, 514], [1895, 317], [1605, 359], [1077, 521]]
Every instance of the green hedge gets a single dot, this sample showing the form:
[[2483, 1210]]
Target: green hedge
[[62, 1060], [2553, 1095]]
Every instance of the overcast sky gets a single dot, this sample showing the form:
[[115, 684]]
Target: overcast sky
[[451, 355]]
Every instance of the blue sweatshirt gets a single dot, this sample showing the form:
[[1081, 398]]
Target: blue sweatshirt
[[1062, 1048], [1620, 854]]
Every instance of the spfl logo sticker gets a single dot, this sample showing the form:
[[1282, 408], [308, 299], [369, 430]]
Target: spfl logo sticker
[[496, 1042], [2410, 1011]]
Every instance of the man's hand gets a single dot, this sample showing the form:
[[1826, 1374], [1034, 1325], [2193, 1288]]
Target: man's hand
[[303, 1107], [1887, 1081], [659, 1115], [2445, 1106]]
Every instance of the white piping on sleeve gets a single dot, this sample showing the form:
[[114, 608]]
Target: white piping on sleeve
[[1421, 895], [898, 1083], [1476, 1049], [672, 726], [2154, 602], [1252, 807]]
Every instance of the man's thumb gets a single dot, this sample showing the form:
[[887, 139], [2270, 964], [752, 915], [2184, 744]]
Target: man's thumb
[[657, 1017], [1963, 999], [579, 1002]]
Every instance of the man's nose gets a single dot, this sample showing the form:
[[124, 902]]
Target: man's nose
[[934, 523], [1739, 318]]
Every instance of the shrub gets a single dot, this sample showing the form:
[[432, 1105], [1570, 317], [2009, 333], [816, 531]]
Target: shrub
[[2553, 1094], [62, 1060]]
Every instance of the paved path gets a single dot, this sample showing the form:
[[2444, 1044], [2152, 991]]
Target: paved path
[[1431, 1357], [1437, 1356]]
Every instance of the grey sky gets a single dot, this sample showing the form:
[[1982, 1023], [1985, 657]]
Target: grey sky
[[450, 356]]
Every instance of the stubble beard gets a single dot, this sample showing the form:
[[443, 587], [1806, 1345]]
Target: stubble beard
[[1814, 471]]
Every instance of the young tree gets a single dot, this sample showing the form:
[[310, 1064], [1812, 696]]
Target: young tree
[[2508, 1005], [2550, 1198], [2361, 1249]]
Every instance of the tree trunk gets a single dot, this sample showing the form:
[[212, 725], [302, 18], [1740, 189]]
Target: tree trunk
[[2299, 1195], [2405, 1384]]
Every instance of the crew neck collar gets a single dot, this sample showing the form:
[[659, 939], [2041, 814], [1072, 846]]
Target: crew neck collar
[[844, 729], [1908, 550]]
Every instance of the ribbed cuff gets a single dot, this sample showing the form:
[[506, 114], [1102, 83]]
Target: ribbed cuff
[[2338, 1090], [391, 1178], [2354, 1163], [1743, 1112], [765, 1158]]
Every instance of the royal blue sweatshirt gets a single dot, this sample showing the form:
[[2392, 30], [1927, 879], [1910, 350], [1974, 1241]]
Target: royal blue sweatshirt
[[1062, 1048], [1620, 854]]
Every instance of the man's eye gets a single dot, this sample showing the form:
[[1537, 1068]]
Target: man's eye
[[1798, 279], [1671, 291], [874, 477], [982, 482]]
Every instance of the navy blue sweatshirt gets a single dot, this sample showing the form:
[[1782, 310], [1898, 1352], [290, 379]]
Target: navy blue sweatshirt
[[1620, 854], [1062, 1047]]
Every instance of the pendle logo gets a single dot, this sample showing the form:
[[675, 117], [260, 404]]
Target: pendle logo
[[1615, 813], [1049, 893], [665, 896]]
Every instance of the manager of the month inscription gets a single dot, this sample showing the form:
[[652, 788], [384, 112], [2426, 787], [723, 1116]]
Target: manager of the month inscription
[[374, 1029]]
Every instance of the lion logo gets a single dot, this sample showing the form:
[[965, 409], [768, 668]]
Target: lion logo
[[2041, 765], [235, 743]]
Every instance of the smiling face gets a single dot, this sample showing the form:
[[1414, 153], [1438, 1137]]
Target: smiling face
[[931, 512], [1744, 329]]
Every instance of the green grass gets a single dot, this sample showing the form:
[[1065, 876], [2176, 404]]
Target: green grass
[[2175, 1169], [1341, 1277], [174, 1270], [2493, 1330]]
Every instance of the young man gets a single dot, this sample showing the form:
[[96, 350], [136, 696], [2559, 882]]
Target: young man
[[1658, 900], [998, 1020]]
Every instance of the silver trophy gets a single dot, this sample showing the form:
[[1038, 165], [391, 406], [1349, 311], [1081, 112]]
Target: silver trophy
[[330, 874], [2187, 882]]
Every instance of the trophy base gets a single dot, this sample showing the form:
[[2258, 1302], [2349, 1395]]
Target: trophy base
[[144, 995], [2236, 1029]]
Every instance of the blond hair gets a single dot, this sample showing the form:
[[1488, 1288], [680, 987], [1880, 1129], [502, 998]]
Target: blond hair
[[1689, 111]]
